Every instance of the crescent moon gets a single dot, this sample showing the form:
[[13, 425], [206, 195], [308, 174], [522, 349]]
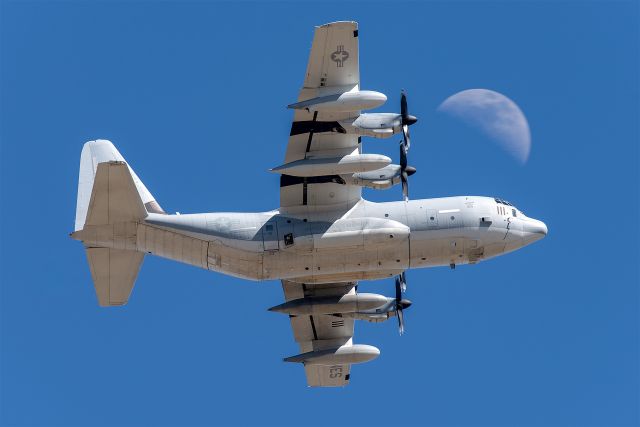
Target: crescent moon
[[495, 115]]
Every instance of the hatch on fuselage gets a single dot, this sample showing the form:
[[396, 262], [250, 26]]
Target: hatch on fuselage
[[270, 236], [450, 218]]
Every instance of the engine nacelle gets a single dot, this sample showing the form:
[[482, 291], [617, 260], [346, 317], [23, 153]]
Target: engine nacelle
[[349, 303], [371, 317], [376, 125], [379, 179]]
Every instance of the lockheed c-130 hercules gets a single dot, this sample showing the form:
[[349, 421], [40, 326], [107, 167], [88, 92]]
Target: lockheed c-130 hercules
[[323, 238]]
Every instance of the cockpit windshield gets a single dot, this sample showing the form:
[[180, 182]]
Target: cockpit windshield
[[506, 203]]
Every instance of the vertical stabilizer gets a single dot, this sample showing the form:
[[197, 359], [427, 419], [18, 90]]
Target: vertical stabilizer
[[94, 153]]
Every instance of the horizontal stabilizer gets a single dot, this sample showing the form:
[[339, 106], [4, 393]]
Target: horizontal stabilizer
[[114, 273]]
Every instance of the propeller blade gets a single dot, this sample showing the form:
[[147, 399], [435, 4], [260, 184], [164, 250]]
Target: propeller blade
[[405, 135], [403, 156], [405, 170], [400, 304], [404, 111], [404, 179], [407, 119], [400, 317]]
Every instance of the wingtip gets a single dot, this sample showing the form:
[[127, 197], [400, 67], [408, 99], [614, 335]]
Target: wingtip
[[335, 23]]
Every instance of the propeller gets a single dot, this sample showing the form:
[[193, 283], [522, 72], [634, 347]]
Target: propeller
[[405, 171], [407, 120], [401, 304]]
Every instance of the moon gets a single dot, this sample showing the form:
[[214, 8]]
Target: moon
[[496, 116]]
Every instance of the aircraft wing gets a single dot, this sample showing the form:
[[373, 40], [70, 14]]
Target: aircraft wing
[[333, 68], [321, 332]]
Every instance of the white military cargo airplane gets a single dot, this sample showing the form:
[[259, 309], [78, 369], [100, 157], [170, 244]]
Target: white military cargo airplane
[[323, 239]]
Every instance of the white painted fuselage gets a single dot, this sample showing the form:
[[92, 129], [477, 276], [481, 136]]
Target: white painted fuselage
[[371, 241]]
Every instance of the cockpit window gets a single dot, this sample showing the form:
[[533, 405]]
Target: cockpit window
[[513, 211], [502, 202]]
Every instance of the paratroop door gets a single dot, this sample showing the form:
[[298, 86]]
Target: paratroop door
[[270, 236]]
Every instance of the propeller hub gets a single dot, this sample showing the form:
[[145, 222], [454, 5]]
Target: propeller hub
[[409, 120], [404, 303], [410, 170]]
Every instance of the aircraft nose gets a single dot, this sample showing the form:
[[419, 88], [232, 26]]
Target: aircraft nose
[[543, 228], [535, 227]]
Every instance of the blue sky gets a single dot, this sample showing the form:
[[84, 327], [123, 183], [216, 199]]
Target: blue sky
[[194, 94]]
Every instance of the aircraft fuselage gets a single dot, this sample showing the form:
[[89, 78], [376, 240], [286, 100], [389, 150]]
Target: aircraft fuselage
[[370, 241]]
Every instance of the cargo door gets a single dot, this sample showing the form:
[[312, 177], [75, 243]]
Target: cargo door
[[270, 236]]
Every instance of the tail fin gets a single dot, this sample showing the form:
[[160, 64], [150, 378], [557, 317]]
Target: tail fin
[[94, 153], [111, 200]]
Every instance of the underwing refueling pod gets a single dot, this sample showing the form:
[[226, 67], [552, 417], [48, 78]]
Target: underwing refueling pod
[[354, 100], [318, 166]]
